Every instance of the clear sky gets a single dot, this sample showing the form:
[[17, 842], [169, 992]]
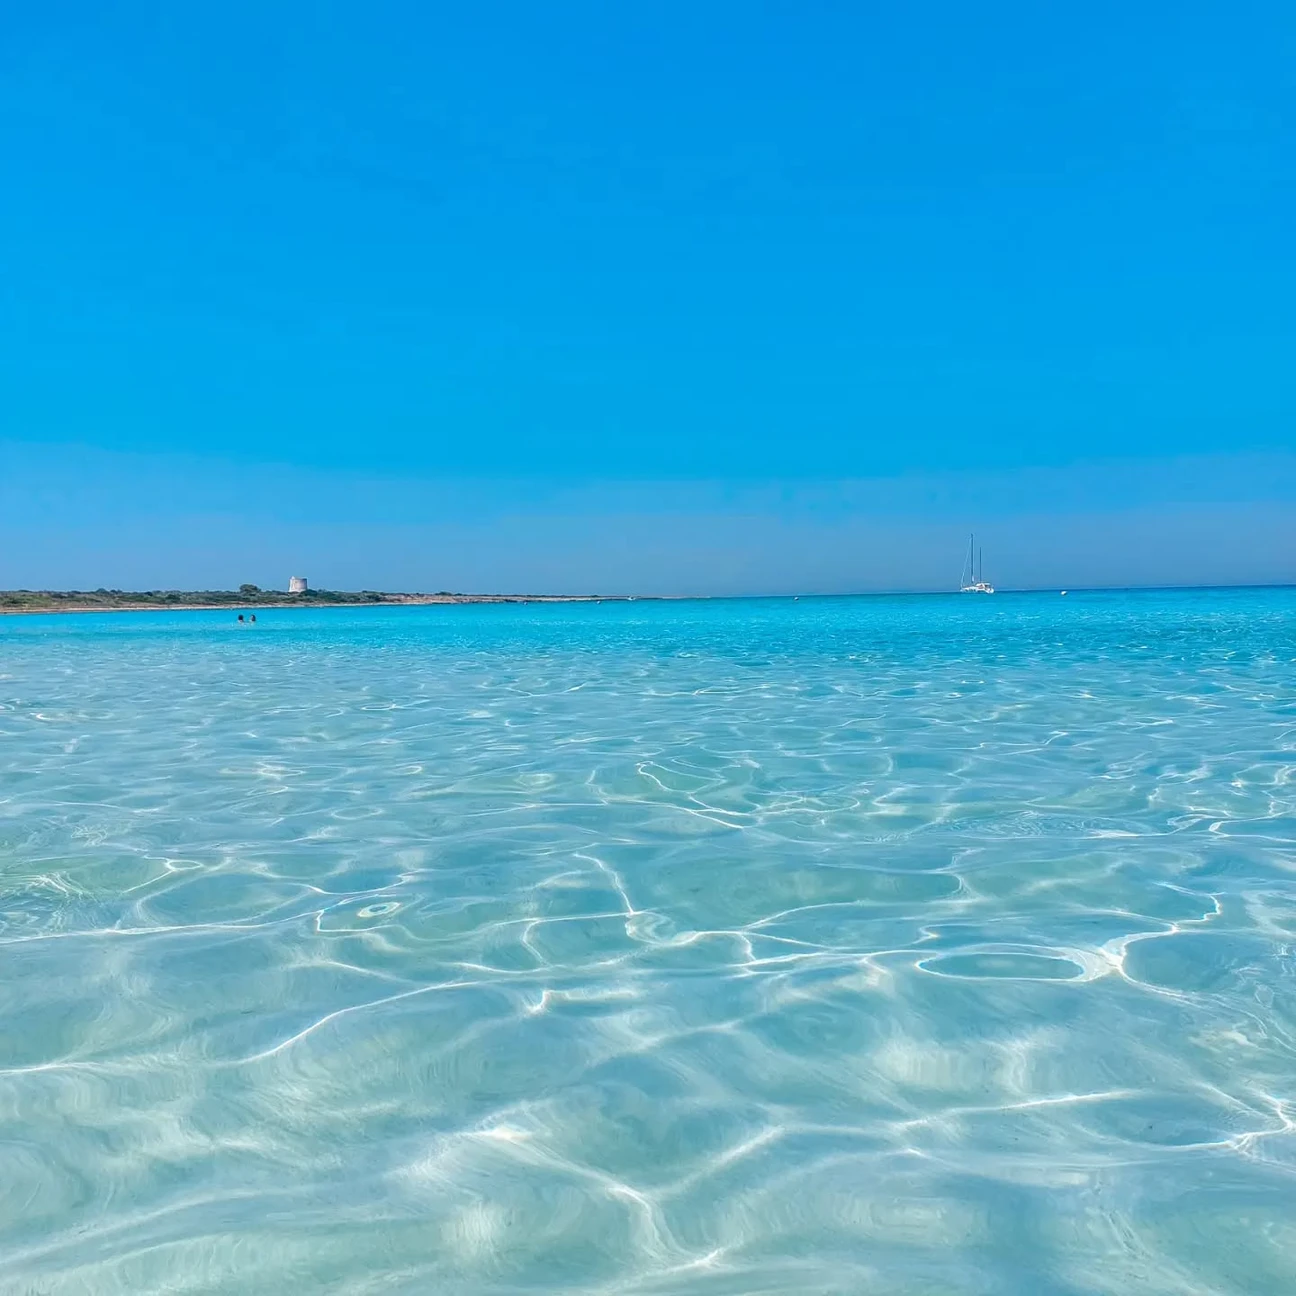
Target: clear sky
[[680, 296]]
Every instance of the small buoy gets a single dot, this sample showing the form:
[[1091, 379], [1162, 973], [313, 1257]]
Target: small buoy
[[1064, 593]]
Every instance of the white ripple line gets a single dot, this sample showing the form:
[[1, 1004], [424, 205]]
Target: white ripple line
[[154, 931], [343, 1012], [1026, 1104]]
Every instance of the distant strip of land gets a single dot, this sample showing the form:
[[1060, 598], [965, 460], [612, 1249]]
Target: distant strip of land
[[249, 596]]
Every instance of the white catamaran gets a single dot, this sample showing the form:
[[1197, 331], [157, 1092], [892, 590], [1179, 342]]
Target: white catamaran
[[973, 580]]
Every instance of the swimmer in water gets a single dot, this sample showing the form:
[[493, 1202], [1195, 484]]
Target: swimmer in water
[[252, 618], [240, 616]]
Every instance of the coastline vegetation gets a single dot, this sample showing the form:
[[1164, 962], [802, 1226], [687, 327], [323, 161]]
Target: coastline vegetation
[[246, 596]]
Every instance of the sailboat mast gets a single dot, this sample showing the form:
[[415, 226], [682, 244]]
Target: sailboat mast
[[974, 581]]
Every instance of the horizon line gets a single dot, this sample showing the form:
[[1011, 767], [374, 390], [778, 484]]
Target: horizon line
[[459, 598]]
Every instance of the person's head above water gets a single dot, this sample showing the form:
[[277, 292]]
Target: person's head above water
[[240, 616]]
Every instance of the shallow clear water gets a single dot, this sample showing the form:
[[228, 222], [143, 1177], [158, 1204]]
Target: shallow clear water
[[914, 945]]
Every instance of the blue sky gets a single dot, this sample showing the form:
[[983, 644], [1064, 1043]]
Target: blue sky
[[793, 293]]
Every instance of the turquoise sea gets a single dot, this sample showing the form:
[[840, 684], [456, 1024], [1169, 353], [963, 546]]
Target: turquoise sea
[[905, 946]]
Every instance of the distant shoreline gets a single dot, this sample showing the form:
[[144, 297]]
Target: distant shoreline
[[41, 602], [45, 602]]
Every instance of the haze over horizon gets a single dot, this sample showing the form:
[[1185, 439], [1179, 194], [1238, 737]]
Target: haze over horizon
[[168, 524], [719, 301]]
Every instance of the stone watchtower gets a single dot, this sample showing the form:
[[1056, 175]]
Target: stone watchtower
[[296, 584]]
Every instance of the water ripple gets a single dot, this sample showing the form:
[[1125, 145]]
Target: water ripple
[[912, 946]]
